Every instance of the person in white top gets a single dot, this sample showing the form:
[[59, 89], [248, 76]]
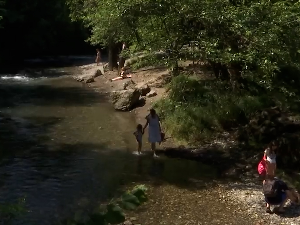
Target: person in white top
[[270, 158], [154, 131]]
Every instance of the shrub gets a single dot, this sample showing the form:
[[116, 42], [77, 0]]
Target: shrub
[[197, 110], [113, 212], [153, 59]]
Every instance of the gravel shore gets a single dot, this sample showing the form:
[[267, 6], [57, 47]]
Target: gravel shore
[[249, 196]]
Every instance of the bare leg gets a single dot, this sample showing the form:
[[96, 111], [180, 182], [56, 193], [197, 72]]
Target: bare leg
[[293, 195], [280, 209], [270, 168], [268, 209], [139, 147], [153, 148]]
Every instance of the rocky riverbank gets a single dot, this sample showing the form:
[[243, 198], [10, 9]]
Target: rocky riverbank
[[136, 94], [243, 197]]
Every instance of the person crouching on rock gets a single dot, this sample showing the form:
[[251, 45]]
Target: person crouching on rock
[[270, 158], [277, 192]]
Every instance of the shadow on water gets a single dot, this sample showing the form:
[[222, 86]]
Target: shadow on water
[[60, 179], [40, 94], [81, 176]]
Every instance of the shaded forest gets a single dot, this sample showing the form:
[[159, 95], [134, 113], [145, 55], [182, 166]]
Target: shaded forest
[[33, 28]]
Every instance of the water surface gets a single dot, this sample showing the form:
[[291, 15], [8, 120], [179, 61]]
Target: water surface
[[72, 151]]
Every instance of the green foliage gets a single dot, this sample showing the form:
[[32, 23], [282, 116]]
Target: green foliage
[[244, 35], [113, 212], [196, 110], [11, 211], [147, 59]]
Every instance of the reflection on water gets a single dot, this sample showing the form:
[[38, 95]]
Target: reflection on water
[[79, 154]]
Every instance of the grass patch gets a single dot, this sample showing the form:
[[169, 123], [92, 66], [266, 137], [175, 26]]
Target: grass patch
[[196, 111]]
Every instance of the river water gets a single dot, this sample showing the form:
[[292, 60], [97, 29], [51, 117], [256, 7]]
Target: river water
[[72, 151]]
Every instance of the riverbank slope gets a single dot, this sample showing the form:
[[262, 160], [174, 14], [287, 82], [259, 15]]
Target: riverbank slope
[[243, 196]]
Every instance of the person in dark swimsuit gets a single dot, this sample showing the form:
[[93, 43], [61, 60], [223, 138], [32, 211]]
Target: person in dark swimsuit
[[282, 194]]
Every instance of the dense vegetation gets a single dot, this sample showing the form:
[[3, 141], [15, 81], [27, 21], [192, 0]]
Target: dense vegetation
[[38, 28], [251, 46]]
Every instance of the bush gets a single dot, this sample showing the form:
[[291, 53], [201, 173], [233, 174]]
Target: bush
[[113, 212], [153, 59], [197, 110]]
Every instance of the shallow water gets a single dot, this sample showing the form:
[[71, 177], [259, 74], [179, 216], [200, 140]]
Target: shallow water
[[80, 151]]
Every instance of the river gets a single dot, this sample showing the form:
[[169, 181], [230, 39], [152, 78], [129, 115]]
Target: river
[[75, 150]]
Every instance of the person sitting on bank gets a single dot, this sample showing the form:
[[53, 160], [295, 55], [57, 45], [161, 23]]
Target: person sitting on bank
[[123, 74], [277, 192]]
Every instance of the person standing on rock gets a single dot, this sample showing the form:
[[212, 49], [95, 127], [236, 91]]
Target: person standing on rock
[[98, 57], [154, 131], [270, 158]]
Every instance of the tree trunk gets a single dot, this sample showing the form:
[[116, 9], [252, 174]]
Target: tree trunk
[[121, 62], [112, 57], [220, 70], [235, 72]]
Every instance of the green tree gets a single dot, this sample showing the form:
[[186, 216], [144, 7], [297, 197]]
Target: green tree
[[237, 35]]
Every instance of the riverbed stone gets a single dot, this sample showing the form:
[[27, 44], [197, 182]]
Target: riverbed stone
[[98, 73], [125, 100], [151, 94], [129, 84], [89, 75], [89, 80], [143, 88]]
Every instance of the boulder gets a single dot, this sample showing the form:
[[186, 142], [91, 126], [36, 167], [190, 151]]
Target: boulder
[[160, 81], [89, 76], [98, 73], [89, 80], [129, 84], [125, 100], [143, 88], [151, 94]]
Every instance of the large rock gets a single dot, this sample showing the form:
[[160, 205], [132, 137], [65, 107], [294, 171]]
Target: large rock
[[89, 80], [160, 81], [129, 84], [125, 100], [151, 94], [143, 88], [89, 75]]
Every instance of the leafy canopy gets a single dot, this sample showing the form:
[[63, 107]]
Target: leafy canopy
[[260, 35]]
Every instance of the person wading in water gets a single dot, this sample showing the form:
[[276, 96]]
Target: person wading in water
[[154, 131]]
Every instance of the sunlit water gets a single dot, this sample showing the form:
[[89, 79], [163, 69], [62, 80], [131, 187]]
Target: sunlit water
[[81, 150]]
